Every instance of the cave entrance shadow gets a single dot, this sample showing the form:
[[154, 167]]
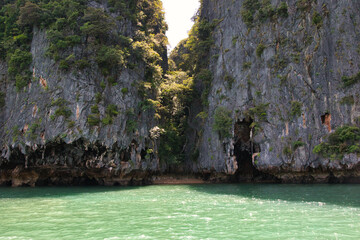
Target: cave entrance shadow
[[334, 194], [244, 148]]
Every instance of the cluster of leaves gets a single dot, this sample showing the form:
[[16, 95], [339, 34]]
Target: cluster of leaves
[[205, 78], [229, 80], [176, 94], [15, 39], [61, 110], [17, 18], [350, 80], [131, 123], [260, 49], [297, 144], [344, 140], [295, 109], [32, 130], [287, 151], [111, 112], [94, 118], [223, 122], [259, 112], [255, 11], [317, 19], [290, 149], [192, 54]]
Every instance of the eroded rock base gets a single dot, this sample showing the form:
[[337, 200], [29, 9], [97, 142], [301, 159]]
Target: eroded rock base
[[64, 176], [83, 164]]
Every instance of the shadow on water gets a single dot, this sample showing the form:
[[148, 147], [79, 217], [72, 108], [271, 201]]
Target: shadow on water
[[57, 192], [341, 195]]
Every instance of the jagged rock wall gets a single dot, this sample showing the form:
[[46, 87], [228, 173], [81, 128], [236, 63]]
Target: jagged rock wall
[[279, 78], [40, 146], [302, 63]]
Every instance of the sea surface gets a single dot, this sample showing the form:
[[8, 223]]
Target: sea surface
[[224, 211]]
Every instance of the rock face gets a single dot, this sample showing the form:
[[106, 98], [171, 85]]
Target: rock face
[[278, 69], [46, 135], [285, 75]]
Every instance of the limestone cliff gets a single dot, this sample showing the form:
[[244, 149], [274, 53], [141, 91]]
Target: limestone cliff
[[286, 74], [262, 90], [82, 116]]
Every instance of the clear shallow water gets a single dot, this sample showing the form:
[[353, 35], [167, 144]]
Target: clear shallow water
[[182, 212]]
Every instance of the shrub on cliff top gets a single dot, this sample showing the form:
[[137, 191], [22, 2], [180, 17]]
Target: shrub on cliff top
[[30, 14], [97, 24]]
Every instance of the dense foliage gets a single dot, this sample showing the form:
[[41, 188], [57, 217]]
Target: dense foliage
[[344, 140], [72, 24], [256, 12], [188, 80], [223, 122], [176, 94]]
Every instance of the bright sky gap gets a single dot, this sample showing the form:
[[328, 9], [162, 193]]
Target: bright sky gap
[[178, 14]]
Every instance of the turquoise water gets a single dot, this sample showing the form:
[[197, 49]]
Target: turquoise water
[[182, 212]]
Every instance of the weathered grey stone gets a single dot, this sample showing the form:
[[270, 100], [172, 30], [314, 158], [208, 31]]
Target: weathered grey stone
[[301, 63], [79, 145], [315, 59]]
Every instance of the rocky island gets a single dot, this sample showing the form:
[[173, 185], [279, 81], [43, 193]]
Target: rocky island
[[260, 91]]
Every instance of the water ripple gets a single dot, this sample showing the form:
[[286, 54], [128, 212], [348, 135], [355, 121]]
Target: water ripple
[[182, 212]]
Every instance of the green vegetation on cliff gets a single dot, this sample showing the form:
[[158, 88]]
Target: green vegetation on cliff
[[350, 80], [344, 140], [72, 24], [176, 94], [255, 11], [110, 36], [189, 81], [223, 122]]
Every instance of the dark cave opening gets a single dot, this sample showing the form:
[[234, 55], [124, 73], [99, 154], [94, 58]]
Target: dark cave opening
[[244, 148]]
